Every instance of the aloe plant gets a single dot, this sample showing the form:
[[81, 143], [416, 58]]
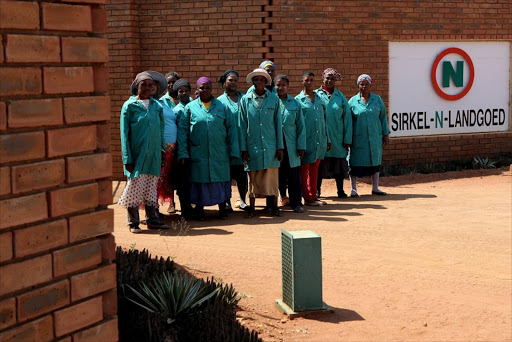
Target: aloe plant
[[169, 295]]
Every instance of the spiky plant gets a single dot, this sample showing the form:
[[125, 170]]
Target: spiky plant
[[169, 294]]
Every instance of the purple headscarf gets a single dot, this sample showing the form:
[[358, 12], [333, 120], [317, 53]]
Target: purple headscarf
[[202, 80]]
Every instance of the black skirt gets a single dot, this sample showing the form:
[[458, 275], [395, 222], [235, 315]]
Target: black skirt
[[331, 167], [364, 171]]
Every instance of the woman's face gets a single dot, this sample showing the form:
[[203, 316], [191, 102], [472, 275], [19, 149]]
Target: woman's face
[[170, 82], [259, 83], [231, 83], [205, 91], [329, 81], [146, 89], [184, 94], [282, 88], [270, 71], [364, 87], [308, 82]]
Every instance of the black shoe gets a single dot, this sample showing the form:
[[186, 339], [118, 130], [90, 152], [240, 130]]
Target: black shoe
[[379, 193], [135, 229], [267, 210], [342, 194]]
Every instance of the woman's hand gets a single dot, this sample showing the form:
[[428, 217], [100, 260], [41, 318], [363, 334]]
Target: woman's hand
[[279, 155], [300, 153], [129, 167], [245, 156], [385, 140], [329, 146]]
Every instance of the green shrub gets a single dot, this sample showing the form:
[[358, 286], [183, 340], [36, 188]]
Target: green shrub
[[213, 319]]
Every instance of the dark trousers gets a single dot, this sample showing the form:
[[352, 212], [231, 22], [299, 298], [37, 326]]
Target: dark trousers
[[180, 178], [289, 178], [240, 176]]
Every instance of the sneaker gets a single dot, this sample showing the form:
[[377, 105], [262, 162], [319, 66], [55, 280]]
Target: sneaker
[[135, 230], [285, 201], [354, 193], [312, 203], [320, 202], [298, 209]]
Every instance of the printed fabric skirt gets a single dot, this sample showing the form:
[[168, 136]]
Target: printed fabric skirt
[[331, 167], [165, 190], [139, 191], [263, 183], [206, 194]]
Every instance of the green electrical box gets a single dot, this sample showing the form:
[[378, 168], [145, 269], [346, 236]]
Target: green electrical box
[[302, 272]]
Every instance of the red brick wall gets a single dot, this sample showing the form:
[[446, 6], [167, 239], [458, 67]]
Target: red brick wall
[[197, 38], [57, 279]]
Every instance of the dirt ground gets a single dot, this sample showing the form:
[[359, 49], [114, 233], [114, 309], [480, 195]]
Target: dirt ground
[[431, 261]]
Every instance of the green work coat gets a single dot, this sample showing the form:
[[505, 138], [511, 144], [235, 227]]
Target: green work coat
[[208, 138], [178, 110], [261, 131], [370, 124], [233, 107], [168, 101], [316, 134], [142, 137], [294, 130], [338, 119]]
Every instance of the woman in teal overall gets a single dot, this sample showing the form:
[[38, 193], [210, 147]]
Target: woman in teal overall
[[261, 140], [207, 136], [317, 140], [142, 146], [294, 136], [370, 135], [231, 99], [339, 128]]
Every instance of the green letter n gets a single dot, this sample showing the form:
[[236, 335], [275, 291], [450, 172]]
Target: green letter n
[[456, 76]]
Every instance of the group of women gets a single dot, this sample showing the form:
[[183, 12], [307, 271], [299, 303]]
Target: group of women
[[267, 141]]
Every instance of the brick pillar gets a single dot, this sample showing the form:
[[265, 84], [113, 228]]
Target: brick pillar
[[57, 279], [124, 45]]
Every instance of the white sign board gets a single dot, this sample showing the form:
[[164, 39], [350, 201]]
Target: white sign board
[[448, 87]]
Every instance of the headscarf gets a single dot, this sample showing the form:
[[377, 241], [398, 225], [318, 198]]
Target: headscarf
[[226, 74], [364, 77], [150, 75], [331, 71], [202, 80], [180, 83], [265, 64]]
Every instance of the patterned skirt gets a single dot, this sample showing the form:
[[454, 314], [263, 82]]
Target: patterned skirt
[[139, 191]]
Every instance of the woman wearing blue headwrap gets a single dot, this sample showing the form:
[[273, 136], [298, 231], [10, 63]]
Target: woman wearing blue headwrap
[[370, 135]]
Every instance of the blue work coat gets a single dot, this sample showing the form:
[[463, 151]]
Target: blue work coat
[[208, 137], [233, 107], [261, 131], [338, 119], [316, 134], [370, 124], [142, 136], [294, 130]]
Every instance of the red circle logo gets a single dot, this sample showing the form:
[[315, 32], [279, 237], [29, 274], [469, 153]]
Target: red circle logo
[[469, 84]]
